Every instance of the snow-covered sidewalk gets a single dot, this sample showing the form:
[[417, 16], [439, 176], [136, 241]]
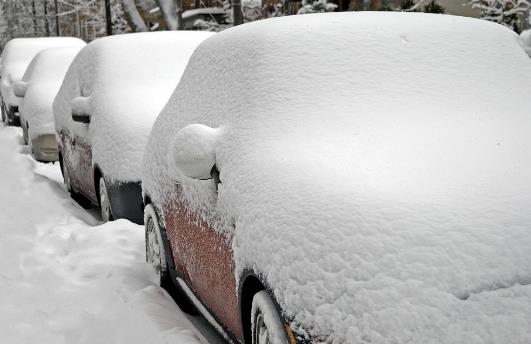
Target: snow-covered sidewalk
[[64, 277]]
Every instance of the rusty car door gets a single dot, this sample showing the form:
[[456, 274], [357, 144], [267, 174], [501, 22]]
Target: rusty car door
[[203, 257]]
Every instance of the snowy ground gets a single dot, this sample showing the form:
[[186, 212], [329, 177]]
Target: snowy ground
[[65, 277]]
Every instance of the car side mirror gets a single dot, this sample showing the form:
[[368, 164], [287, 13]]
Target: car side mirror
[[80, 110], [194, 150], [19, 88]]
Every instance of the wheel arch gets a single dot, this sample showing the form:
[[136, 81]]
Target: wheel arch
[[61, 165], [250, 284], [147, 200], [97, 175]]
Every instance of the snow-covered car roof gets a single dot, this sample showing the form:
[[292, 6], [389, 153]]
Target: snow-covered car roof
[[127, 80], [43, 78], [375, 167], [19, 52]]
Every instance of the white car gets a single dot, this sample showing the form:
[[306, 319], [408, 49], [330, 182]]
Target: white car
[[15, 58], [104, 110], [370, 181], [37, 91]]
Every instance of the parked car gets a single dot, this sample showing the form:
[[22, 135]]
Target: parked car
[[105, 108], [37, 90], [349, 178], [15, 58]]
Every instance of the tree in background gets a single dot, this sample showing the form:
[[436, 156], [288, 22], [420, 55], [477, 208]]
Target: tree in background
[[431, 7], [316, 6], [87, 18], [21, 18], [274, 9], [39, 18], [172, 13], [133, 17], [434, 7], [505, 12]]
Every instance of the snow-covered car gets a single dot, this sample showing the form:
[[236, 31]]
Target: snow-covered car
[[349, 178], [15, 58], [37, 91], [109, 99]]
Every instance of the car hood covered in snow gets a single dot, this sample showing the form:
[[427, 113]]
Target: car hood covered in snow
[[18, 54], [376, 169], [127, 80]]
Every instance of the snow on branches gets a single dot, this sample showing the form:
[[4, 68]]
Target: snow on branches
[[315, 6], [503, 12]]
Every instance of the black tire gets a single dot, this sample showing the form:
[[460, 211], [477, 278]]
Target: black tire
[[4, 119], [165, 278], [155, 249], [25, 133], [266, 323], [82, 201], [104, 201]]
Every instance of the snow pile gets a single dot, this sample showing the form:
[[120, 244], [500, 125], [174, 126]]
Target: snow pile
[[66, 279], [526, 41], [17, 55], [127, 80], [44, 77], [383, 187]]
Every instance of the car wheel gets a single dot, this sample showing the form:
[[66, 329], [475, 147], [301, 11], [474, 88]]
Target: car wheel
[[12, 119], [105, 203], [3, 113], [266, 324], [155, 252]]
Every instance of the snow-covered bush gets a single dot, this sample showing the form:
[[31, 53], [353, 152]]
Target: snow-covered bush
[[505, 12], [316, 6], [271, 10]]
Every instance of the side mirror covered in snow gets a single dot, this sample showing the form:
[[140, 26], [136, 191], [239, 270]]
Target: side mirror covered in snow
[[194, 150], [19, 88], [80, 110]]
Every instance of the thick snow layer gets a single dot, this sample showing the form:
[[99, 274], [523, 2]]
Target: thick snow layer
[[127, 80], [376, 167], [44, 77], [526, 41], [18, 54], [64, 278]]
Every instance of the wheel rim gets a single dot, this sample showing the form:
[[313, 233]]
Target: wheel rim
[[153, 248], [105, 205], [262, 333]]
